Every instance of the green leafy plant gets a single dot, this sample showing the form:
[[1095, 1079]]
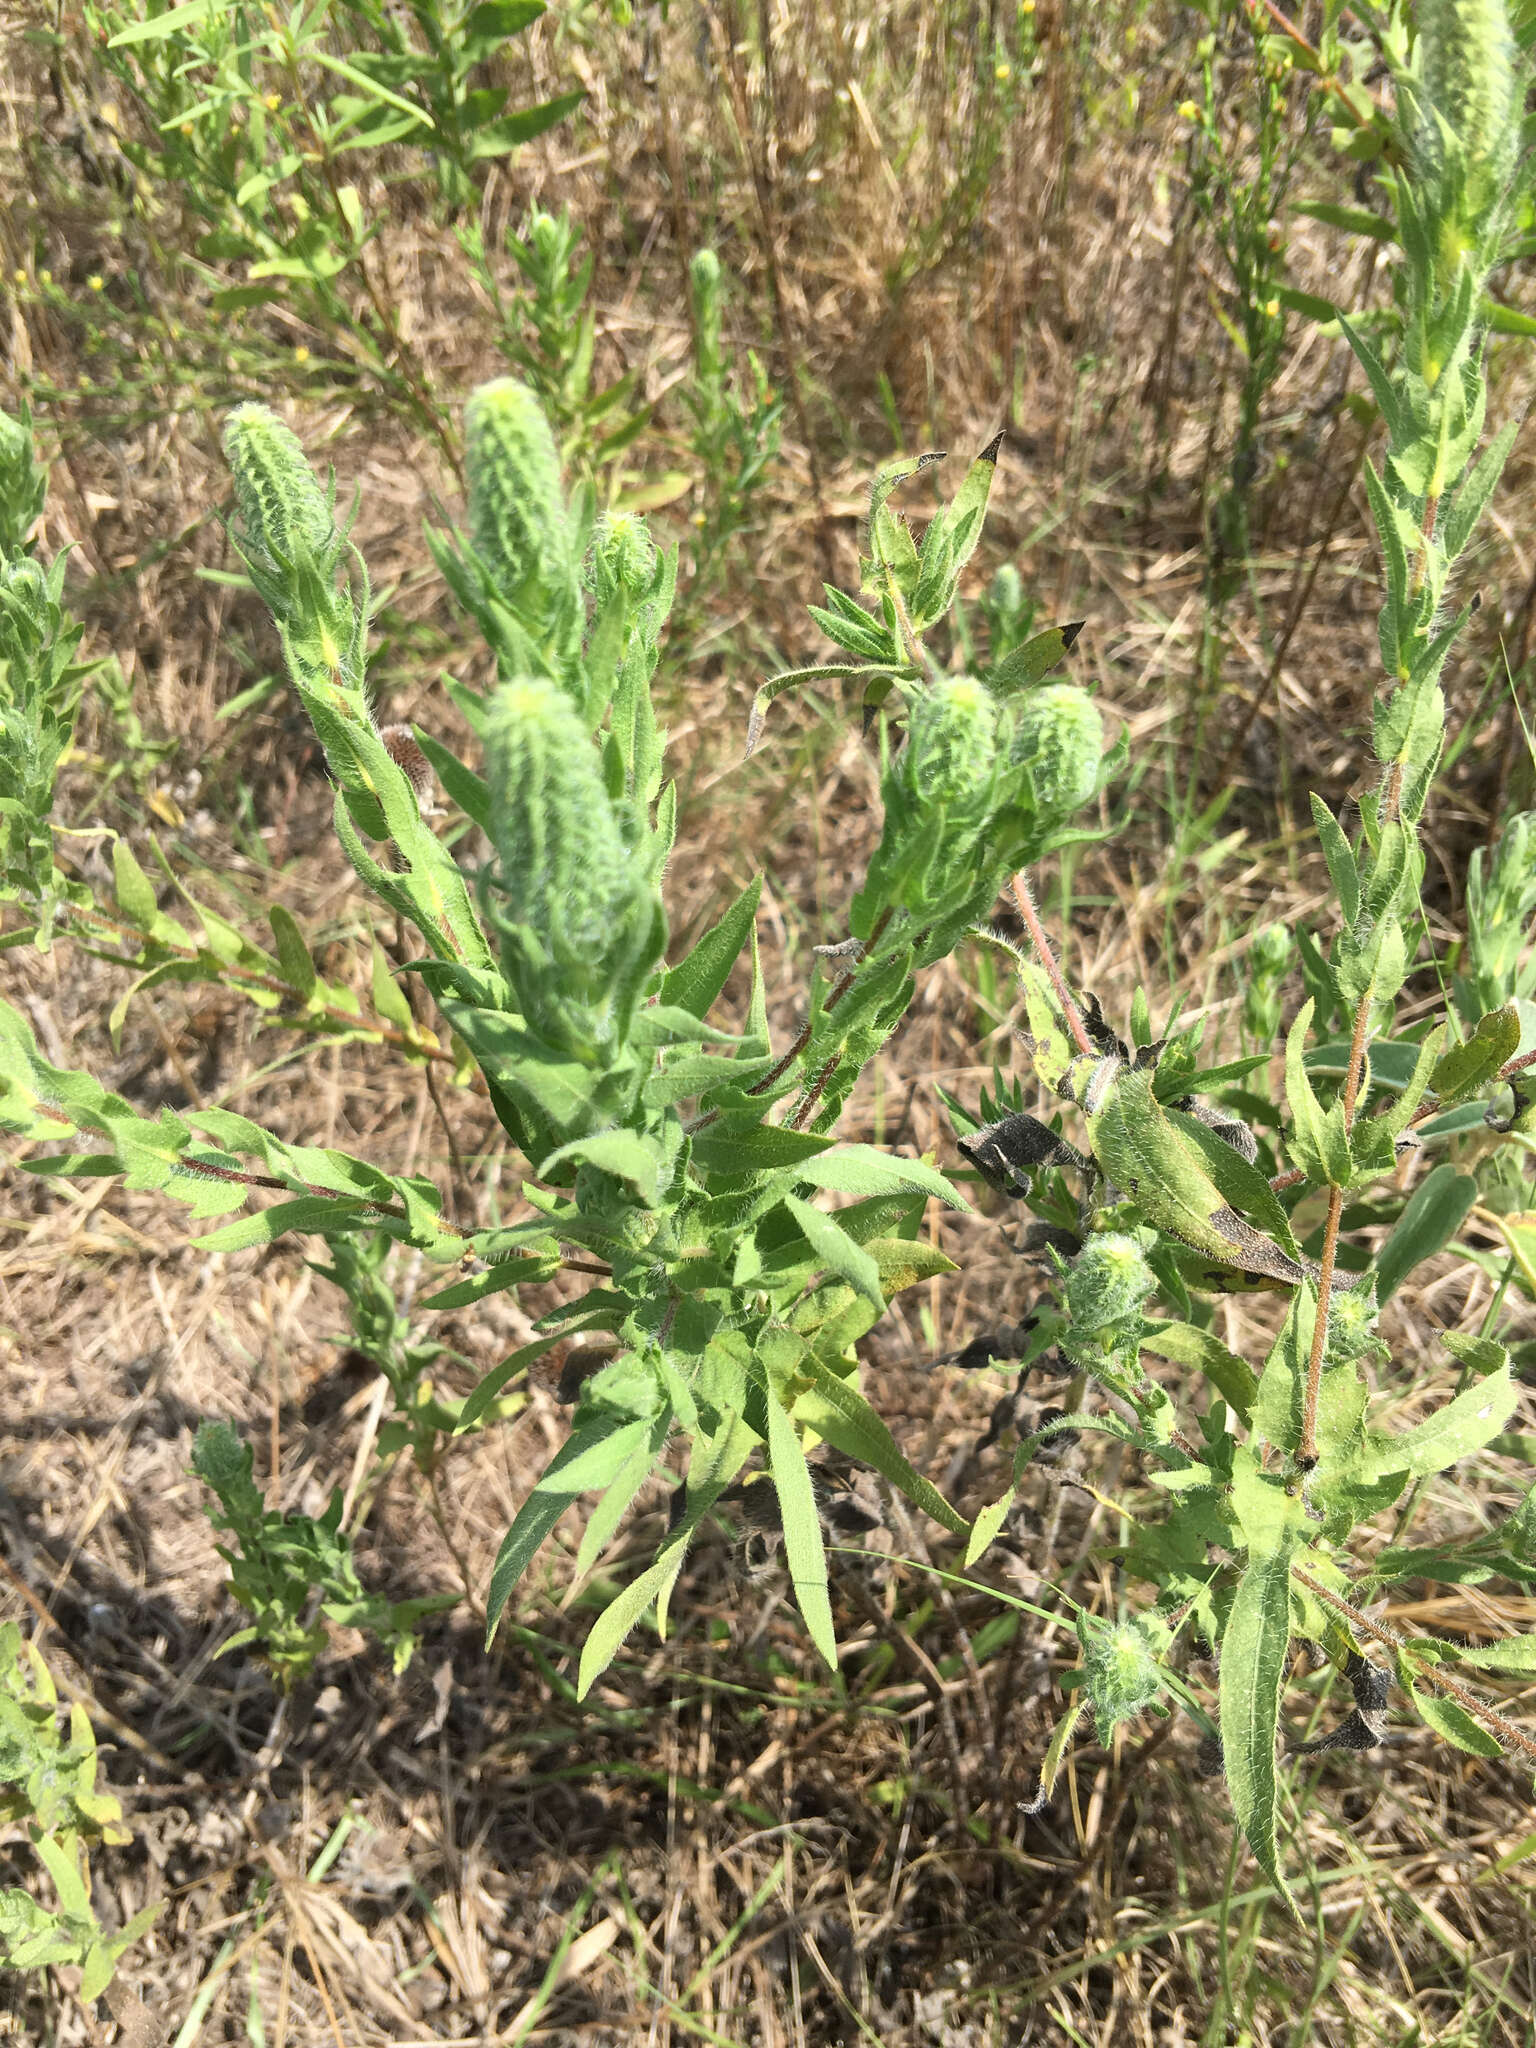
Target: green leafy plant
[[292, 1572], [673, 1168], [270, 129], [736, 424], [48, 1790], [547, 332], [1273, 1487], [679, 1158]]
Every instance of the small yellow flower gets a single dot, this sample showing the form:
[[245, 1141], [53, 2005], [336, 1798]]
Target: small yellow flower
[[95, 284], [1026, 6], [186, 127], [18, 277], [1003, 73], [1188, 111], [1271, 309], [45, 277], [301, 354], [272, 102]]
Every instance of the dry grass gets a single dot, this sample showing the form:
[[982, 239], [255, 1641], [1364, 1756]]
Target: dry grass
[[721, 1844]]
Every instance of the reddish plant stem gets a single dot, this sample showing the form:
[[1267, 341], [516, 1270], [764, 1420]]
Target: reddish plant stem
[[1042, 946], [1431, 1675]]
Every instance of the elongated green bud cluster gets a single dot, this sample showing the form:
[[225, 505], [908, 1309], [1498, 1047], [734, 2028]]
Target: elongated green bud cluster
[[282, 509], [1470, 95], [623, 557], [1499, 914], [562, 890], [940, 796], [286, 531], [1121, 1672], [517, 512], [22, 484], [1059, 740], [1267, 964], [705, 283]]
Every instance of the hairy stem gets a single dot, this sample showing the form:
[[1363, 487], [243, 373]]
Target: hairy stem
[[1042, 946], [1480, 1709], [1306, 1450]]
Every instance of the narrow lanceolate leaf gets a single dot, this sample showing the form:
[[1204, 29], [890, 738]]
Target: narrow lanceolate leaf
[[1432, 1218], [622, 1488], [804, 1551], [836, 1250], [1339, 855], [715, 1463], [837, 1411], [695, 982], [1231, 1376], [865, 1170], [587, 1461], [1510, 1653], [1318, 1140], [1253, 1657], [951, 539]]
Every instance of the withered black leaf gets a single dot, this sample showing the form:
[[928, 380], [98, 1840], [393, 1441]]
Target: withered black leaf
[[1006, 1153]]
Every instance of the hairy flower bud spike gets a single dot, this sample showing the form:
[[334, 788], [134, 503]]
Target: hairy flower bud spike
[[282, 509], [517, 512], [564, 894], [1059, 739]]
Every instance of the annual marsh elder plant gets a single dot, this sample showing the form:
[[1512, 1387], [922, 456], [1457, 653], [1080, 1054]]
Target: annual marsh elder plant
[[675, 1167], [1424, 1126]]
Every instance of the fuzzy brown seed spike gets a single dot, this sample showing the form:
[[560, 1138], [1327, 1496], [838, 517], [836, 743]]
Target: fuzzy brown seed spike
[[401, 746]]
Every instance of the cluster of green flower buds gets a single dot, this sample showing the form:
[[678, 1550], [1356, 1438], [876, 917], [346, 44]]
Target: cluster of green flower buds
[[1058, 741], [520, 527], [980, 788], [706, 288], [622, 557], [1470, 95], [568, 894], [1122, 1674], [1108, 1284], [287, 533], [941, 793], [1500, 908]]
